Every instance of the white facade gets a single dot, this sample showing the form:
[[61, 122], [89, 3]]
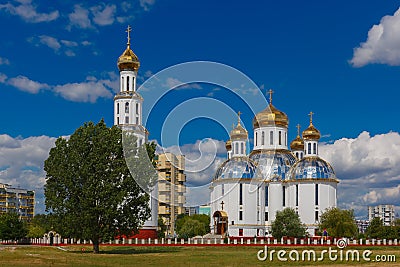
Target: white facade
[[384, 212], [248, 190]]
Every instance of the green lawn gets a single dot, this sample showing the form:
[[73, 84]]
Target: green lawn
[[166, 256]]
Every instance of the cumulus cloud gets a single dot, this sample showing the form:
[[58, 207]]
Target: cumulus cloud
[[28, 12], [382, 45], [22, 163], [25, 84], [58, 46], [4, 61], [79, 18], [104, 15], [368, 168], [147, 4]]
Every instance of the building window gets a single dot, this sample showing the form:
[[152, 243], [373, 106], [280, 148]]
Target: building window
[[122, 83], [137, 108], [280, 138], [240, 215], [258, 215], [315, 148], [316, 194], [266, 196], [236, 148], [256, 138], [297, 154], [316, 216], [258, 196], [297, 194], [127, 120], [271, 138], [133, 83], [127, 107], [266, 216], [240, 194], [283, 196], [241, 148], [309, 148], [117, 120], [137, 120], [285, 139], [262, 138], [240, 232], [222, 189], [127, 83], [117, 108]]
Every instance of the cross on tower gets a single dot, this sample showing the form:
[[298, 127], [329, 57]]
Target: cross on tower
[[239, 113], [311, 114], [270, 92], [128, 30], [222, 205], [298, 129]]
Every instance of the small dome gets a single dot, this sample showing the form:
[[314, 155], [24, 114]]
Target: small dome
[[311, 133], [311, 168], [228, 145], [297, 144], [239, 133], [128, 60], [270, 116], [236, 168], [272, 165]]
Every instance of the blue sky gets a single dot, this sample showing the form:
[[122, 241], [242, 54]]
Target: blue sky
[[58, 70]]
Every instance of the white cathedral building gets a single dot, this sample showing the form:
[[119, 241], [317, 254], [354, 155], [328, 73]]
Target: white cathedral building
[[248, 190]]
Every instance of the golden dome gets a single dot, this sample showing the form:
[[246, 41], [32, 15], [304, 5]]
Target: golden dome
[[297, 143], [311, 133], [228, 145], [128, 60], [238, 132], [270, 116]]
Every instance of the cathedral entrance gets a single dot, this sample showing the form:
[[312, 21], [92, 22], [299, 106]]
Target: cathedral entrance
[[220, 222]]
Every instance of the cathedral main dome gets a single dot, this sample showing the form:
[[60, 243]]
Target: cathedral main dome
[[311, 168], [236, 168], [269, 117]]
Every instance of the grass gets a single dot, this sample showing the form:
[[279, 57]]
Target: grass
[[165, 256]]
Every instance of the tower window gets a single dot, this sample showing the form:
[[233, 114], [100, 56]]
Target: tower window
[[137, 120], [316, 216], [262, 138], [127, 120], [122, 83], [117, 120], [240, 215], [271, 138], [137, 108], [266, 196], [127, 83], [256, 138], [315, 148], [240, 194], [266, 216], [285, 139], [316, 194], [126, 107], [236, 148], [258, 196], [297, 194], [297, 155], [280, 138], [283, 196], [309, 148], [117, 108], [133, 83], [241, 148]]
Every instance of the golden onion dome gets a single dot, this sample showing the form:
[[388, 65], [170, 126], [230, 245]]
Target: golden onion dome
[[228, 145], [297, 143], [311, 133], [270, 116], [128, 60], [238, 132]]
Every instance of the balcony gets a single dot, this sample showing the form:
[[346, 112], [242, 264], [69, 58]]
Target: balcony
[[181, 189], [164, 199], [181, 177], [181, 199]]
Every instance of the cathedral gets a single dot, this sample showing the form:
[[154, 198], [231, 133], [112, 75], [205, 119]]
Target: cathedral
[[248, 190]]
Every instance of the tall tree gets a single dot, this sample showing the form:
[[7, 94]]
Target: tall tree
[[287, 223], [338, 223], [375, 228], [11, 227], [90, 191]]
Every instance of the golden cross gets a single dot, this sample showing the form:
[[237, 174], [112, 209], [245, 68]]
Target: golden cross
[[298, 129], [128, 30], [239, 113], [222, 205], [270, 92], [311, 114]]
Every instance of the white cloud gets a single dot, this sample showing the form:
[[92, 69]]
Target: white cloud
[[23, 163], [178, 85], [104, 15], [25, 84], [80, 18], [4, 61], [66, 47], [368, 168], [50, 42], [28, 12], [3, 77], [147, 4], [382, 45]]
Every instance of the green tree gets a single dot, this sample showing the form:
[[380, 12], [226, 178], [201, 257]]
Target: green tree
[[11, 227], [202, 218], [287, 223], [338, 223], [90, 191], [161, 228], [191, 228]]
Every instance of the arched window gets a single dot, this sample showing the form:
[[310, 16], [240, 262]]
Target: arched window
[[256, 138], [280, 138], [271, 138], [241, 148], [309, 148], [117, 108], [127, 107], [297, 154], [262, 138], [127, 83], [137, 108], [122, 83], [236, 148], [315, 148]]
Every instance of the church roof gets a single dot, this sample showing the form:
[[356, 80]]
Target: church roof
[[128, 60], [311, 168], [236, 168]]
